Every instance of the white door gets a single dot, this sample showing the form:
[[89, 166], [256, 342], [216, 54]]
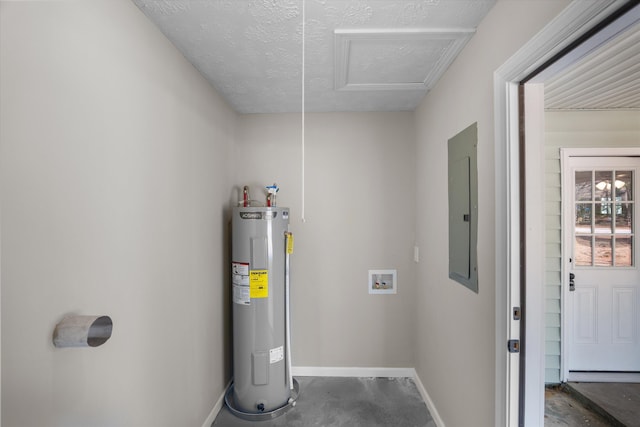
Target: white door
[[603, 304]]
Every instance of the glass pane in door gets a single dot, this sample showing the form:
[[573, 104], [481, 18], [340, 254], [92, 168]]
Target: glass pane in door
[[623, 252], [583, 218], [603, 215], [623, 185], [603, 185], [624, 218], [583, 186], [603, 254], [583, 251]]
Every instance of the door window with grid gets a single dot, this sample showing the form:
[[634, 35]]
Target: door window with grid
[[603, 227]]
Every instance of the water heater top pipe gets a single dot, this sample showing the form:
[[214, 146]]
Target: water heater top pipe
[[271, 197]]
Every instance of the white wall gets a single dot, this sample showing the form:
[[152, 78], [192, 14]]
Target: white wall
[[114, 167], [360, 215], [456, 363], [571, 129]]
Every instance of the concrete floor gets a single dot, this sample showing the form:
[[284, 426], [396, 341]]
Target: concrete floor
[[561, 409], [352, 402], [620, 401], [593, 404]]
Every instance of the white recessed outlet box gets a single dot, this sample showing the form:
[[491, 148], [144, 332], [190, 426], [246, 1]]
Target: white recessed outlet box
[[383, 281]]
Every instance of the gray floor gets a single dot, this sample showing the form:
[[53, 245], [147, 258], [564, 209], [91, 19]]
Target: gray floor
[[353, 402], [620, 401], [561, 409], [593, 404]]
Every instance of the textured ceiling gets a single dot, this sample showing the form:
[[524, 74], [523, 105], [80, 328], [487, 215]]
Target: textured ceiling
[[605, 75], [360, 55]]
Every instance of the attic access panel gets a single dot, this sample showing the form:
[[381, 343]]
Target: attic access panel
[[463, 207], [395, 58]]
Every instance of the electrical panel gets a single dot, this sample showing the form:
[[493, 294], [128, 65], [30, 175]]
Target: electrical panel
[[463, 207]]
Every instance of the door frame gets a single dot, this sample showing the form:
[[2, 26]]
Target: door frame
[[514, 407], [565, 154]]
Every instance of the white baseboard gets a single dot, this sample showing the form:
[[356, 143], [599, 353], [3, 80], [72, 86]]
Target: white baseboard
[[322, 371], [427, 399], [216, 408]]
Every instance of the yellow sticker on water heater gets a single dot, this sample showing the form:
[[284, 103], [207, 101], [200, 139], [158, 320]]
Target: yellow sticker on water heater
[[289, 243], [259, 283]]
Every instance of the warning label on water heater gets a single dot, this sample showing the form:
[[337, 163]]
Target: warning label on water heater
[[276, 354], [240, 282], [259, 283]]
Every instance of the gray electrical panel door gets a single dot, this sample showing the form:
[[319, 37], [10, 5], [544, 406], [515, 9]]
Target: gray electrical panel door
[[463, 207]]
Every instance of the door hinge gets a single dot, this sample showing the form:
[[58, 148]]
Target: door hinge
[[513, 346], [516, 313]]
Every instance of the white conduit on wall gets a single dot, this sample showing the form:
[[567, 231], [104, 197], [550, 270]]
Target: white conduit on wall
[[288, 309], [302, 139]]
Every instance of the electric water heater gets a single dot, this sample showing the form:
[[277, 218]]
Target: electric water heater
[[262, 378]]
